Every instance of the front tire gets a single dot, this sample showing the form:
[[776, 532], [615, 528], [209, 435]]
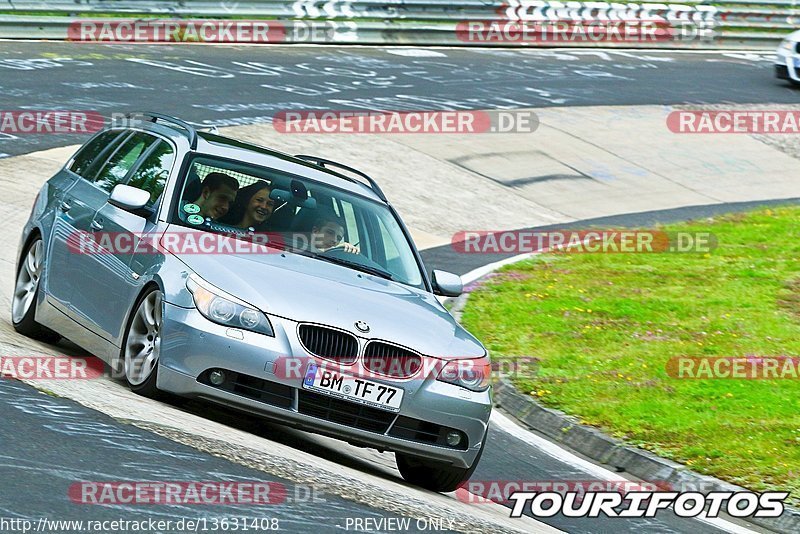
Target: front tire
[[436, 476], [26, 293], [142, 345]]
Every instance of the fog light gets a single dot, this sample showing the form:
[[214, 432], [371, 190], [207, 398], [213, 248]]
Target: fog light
[[217, 378], [453, 438]]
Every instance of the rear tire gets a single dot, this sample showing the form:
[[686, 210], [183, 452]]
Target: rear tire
[[26, 294], [141, 346], [433, 475]]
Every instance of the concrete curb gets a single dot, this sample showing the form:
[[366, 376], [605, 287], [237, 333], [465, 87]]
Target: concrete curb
[[595, 445]]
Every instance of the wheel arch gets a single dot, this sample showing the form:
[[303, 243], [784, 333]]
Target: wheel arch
[[146, 288], [35, 233]]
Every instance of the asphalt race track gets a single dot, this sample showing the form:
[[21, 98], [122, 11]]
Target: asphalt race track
[[65, 442], [241, 85], [48, 442]]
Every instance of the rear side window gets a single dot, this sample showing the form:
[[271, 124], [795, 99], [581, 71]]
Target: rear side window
[[91, 152], [152, 174], [117, 167]]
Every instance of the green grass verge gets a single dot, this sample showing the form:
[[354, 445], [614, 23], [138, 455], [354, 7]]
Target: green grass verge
[[605, 325]]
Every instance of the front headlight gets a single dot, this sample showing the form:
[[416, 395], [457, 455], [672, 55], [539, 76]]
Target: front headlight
[[474, 374], [787, 45], [220, 307]]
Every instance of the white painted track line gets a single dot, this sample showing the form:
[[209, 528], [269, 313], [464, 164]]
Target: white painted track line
[[504, 423]]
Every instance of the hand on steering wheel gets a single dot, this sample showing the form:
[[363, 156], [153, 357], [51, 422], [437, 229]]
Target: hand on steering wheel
[[347, 247]]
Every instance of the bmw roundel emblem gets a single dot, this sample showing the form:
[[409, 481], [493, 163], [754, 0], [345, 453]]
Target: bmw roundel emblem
[[362, 326]]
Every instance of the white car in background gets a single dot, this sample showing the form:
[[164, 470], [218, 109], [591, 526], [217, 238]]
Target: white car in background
[[787, 62]]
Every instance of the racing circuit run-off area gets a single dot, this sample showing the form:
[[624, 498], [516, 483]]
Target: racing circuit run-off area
[[310, 267]]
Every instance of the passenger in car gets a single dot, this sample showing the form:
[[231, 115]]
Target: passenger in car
[[217, 193], [328, 233], [252, 207]]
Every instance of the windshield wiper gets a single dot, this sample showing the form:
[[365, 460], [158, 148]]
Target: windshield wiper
[[355, 265]]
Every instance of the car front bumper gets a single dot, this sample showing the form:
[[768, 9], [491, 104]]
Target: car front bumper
[[191, 346], [786, 64]]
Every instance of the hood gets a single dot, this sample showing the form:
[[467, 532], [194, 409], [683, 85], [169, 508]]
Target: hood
[[304, 289]]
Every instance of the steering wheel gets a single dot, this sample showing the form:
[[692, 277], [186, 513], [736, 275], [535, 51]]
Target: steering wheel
[[339, 252]]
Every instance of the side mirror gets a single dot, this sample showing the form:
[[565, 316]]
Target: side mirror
[[447, 284], [128, 198]]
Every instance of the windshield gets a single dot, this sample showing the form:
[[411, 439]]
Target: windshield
[[297, 214]]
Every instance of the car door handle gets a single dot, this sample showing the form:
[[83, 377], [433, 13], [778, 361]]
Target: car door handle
[[65, 206], [96, 225]]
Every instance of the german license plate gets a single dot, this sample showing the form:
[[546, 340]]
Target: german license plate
[[351, 388]]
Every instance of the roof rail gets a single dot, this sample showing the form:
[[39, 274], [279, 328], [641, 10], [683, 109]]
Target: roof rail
[[322, 162], [155, 117]]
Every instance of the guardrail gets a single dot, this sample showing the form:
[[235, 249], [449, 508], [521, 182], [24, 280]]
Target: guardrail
[[749, 23]]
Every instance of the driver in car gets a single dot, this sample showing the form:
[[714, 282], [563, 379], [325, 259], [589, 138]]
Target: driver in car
[[328, 234], [217, 193]]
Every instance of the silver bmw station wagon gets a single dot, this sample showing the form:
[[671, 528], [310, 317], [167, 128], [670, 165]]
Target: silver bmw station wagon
[[287, 286]]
